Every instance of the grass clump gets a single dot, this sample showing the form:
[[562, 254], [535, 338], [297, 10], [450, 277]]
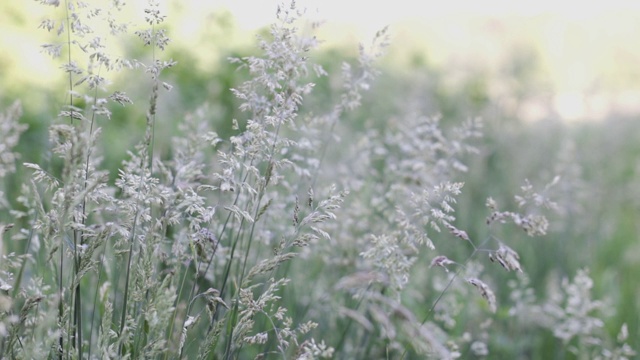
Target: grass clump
[[295, 236]]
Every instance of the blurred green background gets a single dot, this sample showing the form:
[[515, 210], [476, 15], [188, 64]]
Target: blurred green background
[[559, 92]]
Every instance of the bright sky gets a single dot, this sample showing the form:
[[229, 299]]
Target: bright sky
[[379, 13], [583, 45]]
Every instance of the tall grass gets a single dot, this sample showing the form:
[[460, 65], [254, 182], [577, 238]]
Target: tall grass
[[297, 236]]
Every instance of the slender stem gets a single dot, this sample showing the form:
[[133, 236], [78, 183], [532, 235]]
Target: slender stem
[[349, 322], [462, 266], [325, 144], [18, 280], [66, 7], [131, 244], [210, 262], [78, 234], [61, 249], [95, 301], [153, 112], [60, 298], [146, 163]]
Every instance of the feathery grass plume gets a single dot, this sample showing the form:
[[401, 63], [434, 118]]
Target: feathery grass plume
[[441, 261], [388, 222], [309, 350], [485, 292], [82, 190], [254, 171], [75, 227], [11, 264], [573, 316], [506, 257], [11, 129], [394, 254], [574, 309], [148, 295], [531, 221], [409, 199]]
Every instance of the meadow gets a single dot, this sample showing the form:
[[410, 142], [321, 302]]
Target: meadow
[[299, 202]]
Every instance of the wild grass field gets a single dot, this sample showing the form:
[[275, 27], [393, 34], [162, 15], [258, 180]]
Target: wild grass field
[[297, 202]]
